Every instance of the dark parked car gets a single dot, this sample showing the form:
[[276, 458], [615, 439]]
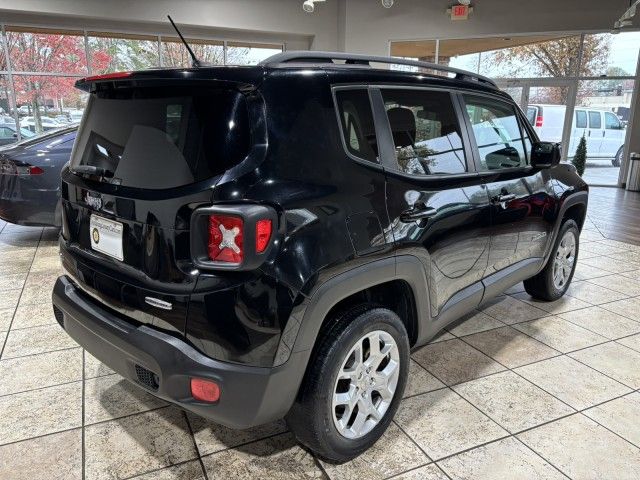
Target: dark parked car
[[9, 133], [30, 178], [271, 241]]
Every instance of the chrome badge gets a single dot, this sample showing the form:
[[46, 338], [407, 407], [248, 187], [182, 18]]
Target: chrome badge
[[93, 202]]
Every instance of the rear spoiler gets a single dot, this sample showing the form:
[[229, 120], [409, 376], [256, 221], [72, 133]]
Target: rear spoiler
[[240, 78]]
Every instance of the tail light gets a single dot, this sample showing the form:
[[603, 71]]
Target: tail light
[[10, 168], [539, 121], [205, 390], [235, 237]]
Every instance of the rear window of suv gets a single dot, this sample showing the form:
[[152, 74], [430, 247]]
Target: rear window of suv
[[157, 138]]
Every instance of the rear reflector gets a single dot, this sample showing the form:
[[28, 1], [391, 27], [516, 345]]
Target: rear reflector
[[263, 234], [205, 390], [539, 121], [108, 76], [225, 239]]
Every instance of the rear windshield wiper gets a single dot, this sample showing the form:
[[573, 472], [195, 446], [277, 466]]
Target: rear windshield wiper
[[92, 170]]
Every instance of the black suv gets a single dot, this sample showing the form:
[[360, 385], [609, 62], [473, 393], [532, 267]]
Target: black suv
[[262, 242]]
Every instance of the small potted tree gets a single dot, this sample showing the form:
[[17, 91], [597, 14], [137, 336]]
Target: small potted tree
[[580, 158]]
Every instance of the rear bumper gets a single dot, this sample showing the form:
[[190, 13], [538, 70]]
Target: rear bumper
[[250, 396]]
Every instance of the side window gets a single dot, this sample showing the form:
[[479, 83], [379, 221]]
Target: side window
[[356, 120], [5, 132], [581, 119], [497, 132], [595, 120], [426, 132], [532, 113], [611, 122]]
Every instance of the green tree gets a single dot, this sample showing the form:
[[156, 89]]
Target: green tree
[[580, 158]]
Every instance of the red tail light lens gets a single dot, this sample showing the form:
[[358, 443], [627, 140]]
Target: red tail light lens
[[263, 234], [35, 171], [205, 390], [225, 239], [539, 120]]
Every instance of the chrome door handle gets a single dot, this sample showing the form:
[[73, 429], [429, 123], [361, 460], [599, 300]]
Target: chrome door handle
[[418, 212]]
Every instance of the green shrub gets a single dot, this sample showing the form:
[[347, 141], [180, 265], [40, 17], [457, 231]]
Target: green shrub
[[580, 158]]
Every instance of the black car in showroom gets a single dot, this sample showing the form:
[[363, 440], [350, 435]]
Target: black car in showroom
[[266, 242], [30, 177]]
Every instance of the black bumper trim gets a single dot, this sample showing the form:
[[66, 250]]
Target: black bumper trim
[[250, 396]]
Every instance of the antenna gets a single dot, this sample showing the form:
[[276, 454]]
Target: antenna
[[195, 62]]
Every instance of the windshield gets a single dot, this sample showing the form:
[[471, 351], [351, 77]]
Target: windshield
[[156, 138]]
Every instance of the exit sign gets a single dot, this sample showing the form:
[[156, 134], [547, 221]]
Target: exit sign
[[459, 12]]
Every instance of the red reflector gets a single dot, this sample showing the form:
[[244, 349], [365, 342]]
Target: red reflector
[[263, 234], [225, 239], [35, 171], [539, 120], [108, 76], [205, 390]]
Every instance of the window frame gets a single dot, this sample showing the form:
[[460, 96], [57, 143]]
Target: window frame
[[341, 132], [386, 144], [523, 125]]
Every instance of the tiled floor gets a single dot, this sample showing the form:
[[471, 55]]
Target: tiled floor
[[523, 389]]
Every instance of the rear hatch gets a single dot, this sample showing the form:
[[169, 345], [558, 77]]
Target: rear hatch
[[151, 149]]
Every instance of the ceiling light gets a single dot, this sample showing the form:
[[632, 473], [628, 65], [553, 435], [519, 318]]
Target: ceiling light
[[464, 2], [308, 6], [387, 3]]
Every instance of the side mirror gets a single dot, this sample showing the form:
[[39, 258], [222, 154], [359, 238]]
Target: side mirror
[[545, 154]]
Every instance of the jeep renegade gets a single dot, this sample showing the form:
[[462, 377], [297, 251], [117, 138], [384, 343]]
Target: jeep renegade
[[266, 242]]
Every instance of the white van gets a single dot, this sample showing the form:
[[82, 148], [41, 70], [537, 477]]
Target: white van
[[602, 128]]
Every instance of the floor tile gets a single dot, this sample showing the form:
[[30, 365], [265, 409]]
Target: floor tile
[[510, 347], [428, 472], [619, 283], [506, 459], [186, 471], [598, 248], [443, 423], [137, 444], [38, 371], [512, 402], [515, 289], [629, 307], [611, 265], [621, 416], [39, 412], [10, 265], [593, 294], [57, 456], [602, 322], [441, 337], [38, 288], [420, 381], [563, 304], [9, 298], [46, 264], [584, 450], [6, 316], [274, 458], [585, 272], [29, 341], [510, 310], [560, 334], [212, 437], [614, 360], [112, 397], [34, 315], [572, 382], [394, 453], [94, 367], [473, 323], [12, 281], [454, 361], [632, 342]]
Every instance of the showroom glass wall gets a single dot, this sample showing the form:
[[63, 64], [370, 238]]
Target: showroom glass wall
[[569, 86], [39, 66]]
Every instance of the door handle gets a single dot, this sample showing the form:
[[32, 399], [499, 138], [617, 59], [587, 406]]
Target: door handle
[[418, 212], [505, 197], [604, 133]]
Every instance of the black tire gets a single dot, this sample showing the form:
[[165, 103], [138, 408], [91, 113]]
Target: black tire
[[311, 417], [542, 285], [617, 160]]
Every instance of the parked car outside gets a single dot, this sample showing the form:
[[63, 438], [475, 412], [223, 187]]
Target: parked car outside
[[30, 178], [9, 133], [263, 242], [603, 130], [48, 123]]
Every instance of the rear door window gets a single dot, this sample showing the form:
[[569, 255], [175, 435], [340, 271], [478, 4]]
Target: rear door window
[[157, 139], [581, 119], [595, 120], [426, 132], [356, 118]]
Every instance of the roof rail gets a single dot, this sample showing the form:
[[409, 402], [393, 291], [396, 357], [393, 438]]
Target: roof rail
[[307, 56]]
